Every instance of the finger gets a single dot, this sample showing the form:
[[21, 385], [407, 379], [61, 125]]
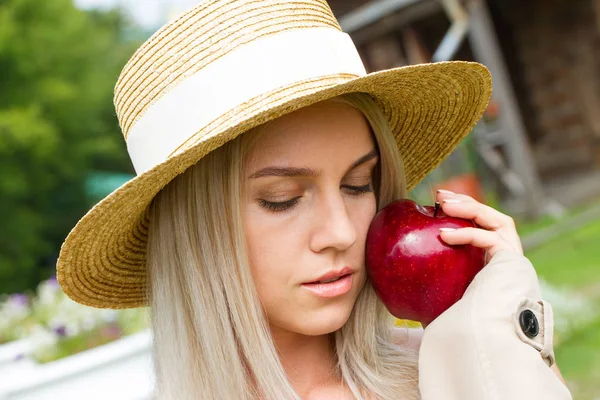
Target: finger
[[496, 220], [446, 194], [491, 241], [483, 215]]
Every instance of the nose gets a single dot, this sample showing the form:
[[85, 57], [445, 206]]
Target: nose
[[333, 227]]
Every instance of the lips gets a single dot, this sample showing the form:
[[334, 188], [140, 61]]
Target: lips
[[333, 275], [334, 289]]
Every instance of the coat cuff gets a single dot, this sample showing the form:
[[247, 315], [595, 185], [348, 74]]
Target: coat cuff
[[494, 343]]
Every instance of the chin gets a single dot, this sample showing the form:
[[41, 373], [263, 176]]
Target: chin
[[325, 320]]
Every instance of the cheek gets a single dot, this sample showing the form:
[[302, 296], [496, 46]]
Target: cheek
[[271, 264], [258, 250], [363, 215], [270, 251]]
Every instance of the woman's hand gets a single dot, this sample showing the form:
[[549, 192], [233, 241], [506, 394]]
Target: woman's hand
[[496, 231]]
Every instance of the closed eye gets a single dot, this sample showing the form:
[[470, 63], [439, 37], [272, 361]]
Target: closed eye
[[358, 190], [289, 204]]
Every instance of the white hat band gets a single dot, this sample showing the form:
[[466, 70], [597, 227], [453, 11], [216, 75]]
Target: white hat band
[[248, 71]]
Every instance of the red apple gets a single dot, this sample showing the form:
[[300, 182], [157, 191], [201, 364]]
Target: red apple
[[415, 273]]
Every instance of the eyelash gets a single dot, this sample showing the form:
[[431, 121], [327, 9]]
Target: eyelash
[[287, 205]]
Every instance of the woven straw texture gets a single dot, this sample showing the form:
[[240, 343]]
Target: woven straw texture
[[430, 107]]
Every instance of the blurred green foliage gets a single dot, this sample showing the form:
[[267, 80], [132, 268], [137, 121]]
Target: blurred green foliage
[[58, 67], [572, 261]]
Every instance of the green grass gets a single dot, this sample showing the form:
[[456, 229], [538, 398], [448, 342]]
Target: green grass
[[526, 227], [573, 261], [578, 360]]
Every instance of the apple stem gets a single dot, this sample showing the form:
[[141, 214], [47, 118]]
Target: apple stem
[[437, 208]]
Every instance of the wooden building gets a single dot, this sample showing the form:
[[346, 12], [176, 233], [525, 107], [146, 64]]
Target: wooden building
[[552, 48], [545, 61]]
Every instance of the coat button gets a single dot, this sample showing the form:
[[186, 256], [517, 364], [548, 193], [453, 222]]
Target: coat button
[[529, 323]]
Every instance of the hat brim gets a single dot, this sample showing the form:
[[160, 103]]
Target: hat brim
[[431, 109]]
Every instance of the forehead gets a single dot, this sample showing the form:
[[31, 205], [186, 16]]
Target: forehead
[[322, 130]]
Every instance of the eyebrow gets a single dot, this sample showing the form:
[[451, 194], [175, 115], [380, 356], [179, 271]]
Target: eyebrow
[[307, 172]]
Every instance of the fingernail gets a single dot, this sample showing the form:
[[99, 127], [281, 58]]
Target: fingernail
[[452, 201], [447, 229], [445, 191]]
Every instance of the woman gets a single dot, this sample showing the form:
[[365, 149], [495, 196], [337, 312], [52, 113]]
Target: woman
[[263, 151]]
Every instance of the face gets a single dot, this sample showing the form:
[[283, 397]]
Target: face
[[307, 208]]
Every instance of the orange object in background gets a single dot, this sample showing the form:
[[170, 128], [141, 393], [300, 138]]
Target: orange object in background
[[467, 183]]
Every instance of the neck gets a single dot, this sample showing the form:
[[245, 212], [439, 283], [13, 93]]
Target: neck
[[309, 361]]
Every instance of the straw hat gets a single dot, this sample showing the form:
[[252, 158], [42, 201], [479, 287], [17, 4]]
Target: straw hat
[[217, 71]]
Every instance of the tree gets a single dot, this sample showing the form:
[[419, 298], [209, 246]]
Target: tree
[[58, 67]]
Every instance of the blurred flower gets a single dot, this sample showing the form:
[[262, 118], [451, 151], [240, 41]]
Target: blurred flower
[[52, 281], [61, 330], [14, 310], [58, 326], [88, 323], [112, 331], [43, 342], [48, 292], [110, 315], [19, 300]]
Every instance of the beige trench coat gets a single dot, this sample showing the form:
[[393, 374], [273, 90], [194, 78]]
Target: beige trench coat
[[496, 342]]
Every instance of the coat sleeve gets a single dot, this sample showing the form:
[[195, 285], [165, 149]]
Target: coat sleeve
[[496, 342]]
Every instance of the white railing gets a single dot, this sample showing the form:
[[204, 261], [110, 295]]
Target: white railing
[[120, 370], [10, 352]]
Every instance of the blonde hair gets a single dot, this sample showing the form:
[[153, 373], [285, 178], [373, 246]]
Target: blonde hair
[[211, 336]]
